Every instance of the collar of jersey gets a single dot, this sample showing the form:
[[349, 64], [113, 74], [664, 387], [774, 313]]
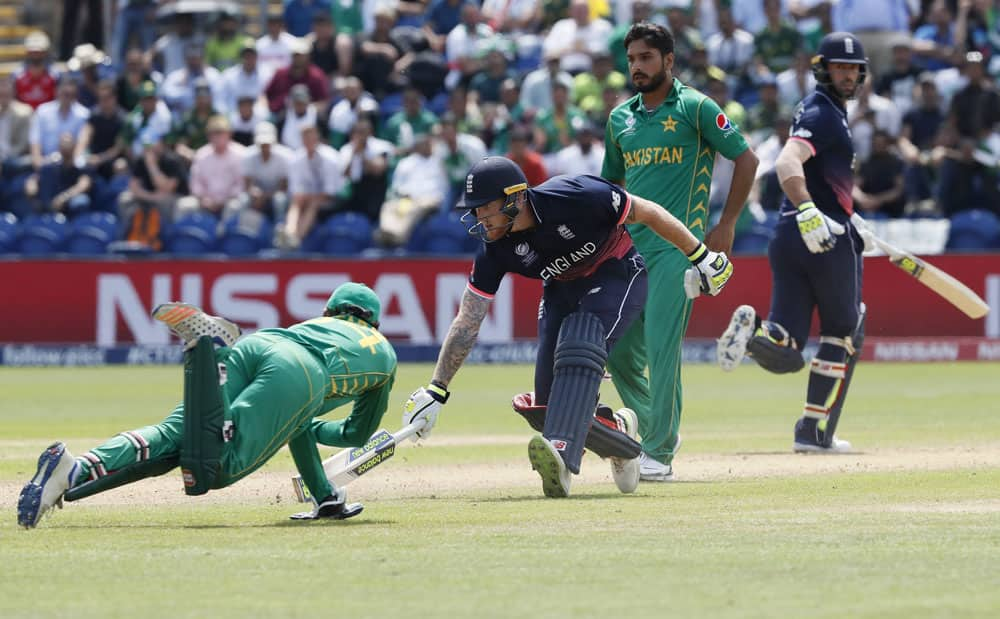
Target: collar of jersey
[[834, 101], [672, 96]]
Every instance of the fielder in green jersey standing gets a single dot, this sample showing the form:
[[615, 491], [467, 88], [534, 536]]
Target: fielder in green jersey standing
[[242, 402], [661, 145]]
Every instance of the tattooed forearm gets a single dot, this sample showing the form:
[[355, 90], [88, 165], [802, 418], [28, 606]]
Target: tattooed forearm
[[461, 336]]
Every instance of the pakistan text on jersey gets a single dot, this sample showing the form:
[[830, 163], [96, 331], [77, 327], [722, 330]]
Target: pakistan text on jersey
[[563, 263], [654, 155]]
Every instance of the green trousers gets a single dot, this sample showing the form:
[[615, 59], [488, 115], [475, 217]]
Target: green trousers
[[274, 388], [654, 341]]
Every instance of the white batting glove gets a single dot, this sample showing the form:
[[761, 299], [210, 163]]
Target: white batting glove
[[864, 232], [425, 403], [818, 231], [713, 270]]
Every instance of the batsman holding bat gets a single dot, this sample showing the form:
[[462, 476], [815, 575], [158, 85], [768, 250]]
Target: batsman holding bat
[[815, 255], [570, 233], [244, 400]]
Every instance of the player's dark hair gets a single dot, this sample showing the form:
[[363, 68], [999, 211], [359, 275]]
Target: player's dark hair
[[351, 309], [653, 35]]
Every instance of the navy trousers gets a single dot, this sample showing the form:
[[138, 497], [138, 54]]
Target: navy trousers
[[615, 292], [803, 281]]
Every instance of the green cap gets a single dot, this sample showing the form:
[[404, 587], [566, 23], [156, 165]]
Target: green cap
[[357, 300], [147, 89]]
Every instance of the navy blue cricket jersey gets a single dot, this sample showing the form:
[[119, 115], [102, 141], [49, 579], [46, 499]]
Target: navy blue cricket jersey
[[821, 124], [579, 227]]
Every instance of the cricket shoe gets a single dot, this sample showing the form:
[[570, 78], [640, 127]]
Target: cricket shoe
[[547, 460], [809, 439], [732, 346], [654, 470], [333, 507], [625, 471], [190, 323], [56, 469]]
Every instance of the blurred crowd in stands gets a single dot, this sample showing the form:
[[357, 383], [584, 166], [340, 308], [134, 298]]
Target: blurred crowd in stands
[[351, 123]]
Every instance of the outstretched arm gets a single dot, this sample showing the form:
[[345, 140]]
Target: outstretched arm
[[660, 221], [712, 269], [461, 337], [425, 403]]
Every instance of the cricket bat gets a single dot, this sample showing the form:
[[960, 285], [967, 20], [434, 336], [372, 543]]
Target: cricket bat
[[952, 290], [347, 465]]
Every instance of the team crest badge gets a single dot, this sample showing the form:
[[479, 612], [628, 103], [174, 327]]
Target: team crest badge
[[565, 232], [722, 122], [521, 249]]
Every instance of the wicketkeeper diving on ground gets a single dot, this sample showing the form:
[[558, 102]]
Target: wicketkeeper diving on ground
[[570, 233], [244, 400]]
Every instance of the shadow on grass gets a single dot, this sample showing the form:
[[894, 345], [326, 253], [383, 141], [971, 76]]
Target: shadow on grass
[[799, 455], [269, 525]]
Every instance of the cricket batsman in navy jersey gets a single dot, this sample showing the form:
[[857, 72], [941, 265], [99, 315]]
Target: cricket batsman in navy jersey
[[815, 255], [570, 233]]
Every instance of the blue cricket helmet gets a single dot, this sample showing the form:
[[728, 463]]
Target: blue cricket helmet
[[488, 180], [842, 47]]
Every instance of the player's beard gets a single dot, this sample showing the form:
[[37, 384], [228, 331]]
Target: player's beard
[[652, 82]]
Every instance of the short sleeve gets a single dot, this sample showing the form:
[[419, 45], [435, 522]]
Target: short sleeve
[[719, 130], [606, 201], [486, 275], [810, 126], [613, 167]]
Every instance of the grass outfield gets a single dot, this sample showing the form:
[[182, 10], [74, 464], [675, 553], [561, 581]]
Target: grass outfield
[[457, 527]]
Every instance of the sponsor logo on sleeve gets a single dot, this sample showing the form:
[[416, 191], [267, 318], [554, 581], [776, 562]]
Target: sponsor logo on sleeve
[[722, 122]]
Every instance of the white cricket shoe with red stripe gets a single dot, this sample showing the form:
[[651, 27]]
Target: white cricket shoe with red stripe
[[626, 471], [190, 323]]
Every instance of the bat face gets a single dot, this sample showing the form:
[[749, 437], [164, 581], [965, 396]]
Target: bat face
[[380, 447], [347, 465]]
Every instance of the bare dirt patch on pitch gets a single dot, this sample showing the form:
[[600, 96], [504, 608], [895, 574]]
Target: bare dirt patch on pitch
[[398, 479]]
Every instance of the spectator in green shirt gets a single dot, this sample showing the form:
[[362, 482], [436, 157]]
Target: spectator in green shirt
[[775, 45], [222, 49], [411, 120], [589, 86], [556, 127], [190, 132], [762, 117]]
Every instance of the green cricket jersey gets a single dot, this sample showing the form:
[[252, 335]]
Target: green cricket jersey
[[357, 357], [666, 155]]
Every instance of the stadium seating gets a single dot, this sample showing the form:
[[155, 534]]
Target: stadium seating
[[974, 230], [443, 234], [439, 104], [192, 234], [91, 233], [8, 232], [389, 105], [42, 234], [346, 234], [755, 240], [242, 238]]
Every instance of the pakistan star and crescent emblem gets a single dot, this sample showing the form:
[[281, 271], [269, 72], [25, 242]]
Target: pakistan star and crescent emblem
[[669, 124]]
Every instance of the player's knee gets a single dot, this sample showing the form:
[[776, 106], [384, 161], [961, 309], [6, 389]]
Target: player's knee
[[581, 343]]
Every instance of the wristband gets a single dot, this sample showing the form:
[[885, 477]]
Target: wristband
[[806, 205], [439, 390], [698, 254]]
